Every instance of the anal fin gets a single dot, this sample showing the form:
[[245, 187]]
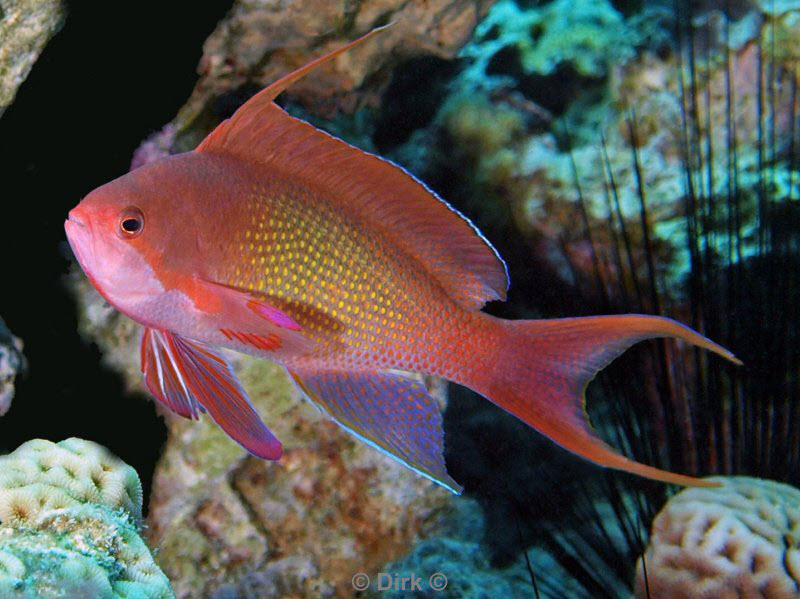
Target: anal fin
[[393, 413]]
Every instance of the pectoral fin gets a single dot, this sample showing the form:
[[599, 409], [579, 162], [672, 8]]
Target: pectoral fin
[[253, 319], [189, 377], [227, 296], [393, 413]]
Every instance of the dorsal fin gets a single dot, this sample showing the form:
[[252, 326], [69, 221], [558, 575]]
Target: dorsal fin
[[375, 191]]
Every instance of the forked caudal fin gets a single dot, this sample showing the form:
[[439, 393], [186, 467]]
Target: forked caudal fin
[[545, 366]]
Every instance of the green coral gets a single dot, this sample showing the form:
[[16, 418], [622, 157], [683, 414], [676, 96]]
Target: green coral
[[590, 35], [70, 515]]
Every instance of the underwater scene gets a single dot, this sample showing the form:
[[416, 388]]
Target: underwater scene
[[400, 299]]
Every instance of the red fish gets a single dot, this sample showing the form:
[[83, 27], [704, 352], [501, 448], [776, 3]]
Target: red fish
[[275, 239]]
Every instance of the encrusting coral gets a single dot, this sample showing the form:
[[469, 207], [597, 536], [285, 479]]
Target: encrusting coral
[[741, 539], [587, 35], [70, 515]]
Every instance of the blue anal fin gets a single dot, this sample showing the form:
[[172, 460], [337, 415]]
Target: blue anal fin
[[391, 412]]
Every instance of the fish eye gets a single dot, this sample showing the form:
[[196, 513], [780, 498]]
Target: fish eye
[[131, 223]]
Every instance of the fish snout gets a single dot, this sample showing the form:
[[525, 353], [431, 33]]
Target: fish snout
[[75, 217], [79, 236]]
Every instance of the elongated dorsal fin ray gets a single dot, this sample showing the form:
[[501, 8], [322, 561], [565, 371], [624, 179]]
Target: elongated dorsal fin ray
[[273, 90], [374, 191], [266, 96]]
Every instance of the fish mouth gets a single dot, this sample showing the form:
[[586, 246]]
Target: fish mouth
[[79, 236]]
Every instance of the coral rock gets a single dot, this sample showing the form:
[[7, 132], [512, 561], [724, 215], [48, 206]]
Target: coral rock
[[739, 540], [25, 28], [261, 40]]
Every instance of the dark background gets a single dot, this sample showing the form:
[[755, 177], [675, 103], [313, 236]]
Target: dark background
[[114, 74]]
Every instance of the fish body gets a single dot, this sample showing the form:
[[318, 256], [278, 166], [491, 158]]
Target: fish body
[[275, 239]]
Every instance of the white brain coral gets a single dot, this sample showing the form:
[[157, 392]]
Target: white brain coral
[[41, 475], [739, 540]]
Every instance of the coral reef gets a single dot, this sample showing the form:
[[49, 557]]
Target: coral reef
[[70, 514], [739, 540], [40, 475], [559, 161], [25, 28], [12, 362]]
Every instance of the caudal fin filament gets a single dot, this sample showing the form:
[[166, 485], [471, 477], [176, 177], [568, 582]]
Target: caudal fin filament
[[548, 364]]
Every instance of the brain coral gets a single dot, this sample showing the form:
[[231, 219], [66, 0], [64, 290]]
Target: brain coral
[[739, 540], [70, 514]]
